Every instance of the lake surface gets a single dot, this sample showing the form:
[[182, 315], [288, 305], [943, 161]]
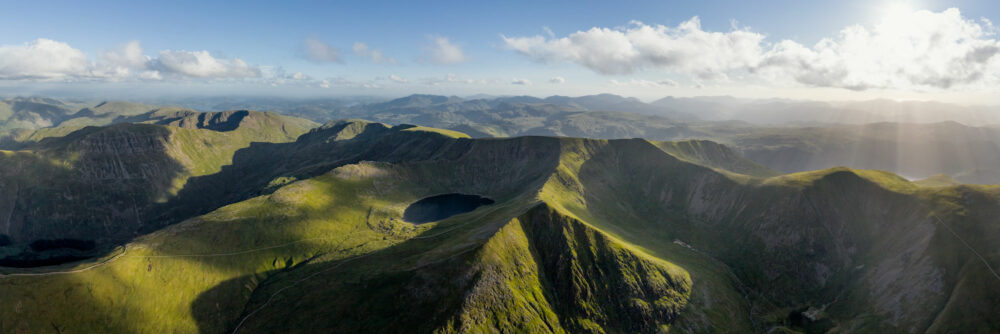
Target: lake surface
[[435, 208]]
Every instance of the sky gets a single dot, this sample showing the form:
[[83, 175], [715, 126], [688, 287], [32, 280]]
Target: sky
[[838, 50]]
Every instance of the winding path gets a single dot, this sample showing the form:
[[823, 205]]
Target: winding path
[[980, 256], [96, 265]]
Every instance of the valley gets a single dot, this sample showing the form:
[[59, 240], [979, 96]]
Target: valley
[[311, 234]]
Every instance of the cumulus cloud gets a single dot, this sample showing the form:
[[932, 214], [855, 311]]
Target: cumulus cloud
[[128, 55], [318, 51], [127, 61], [373, 55], [43, 59], [277, 76], [201, 64], [440, 50], [522, 82], [905, 50], [557, 80], [685, 48]]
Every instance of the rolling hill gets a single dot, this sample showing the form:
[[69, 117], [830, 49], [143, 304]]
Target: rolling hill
[[583, 236]]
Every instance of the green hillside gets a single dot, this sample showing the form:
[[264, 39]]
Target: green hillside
[[584, 236], [107, 184]]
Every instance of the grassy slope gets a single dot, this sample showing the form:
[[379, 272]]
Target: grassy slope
[[696, 250], [370, 209], [716, 302], [148, 290], [713, 155]]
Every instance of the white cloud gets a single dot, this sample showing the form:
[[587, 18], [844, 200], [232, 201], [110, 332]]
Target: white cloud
[[128, 55], [522, 82], [451, 78], [374, 55], [686, 48], [557, 80], [644, 83], [911, 50], [396, 78], [201, 64], [42, 59], [299, 76], [127, 61], [320, 52], [342, 82], [443, 51], [45, 59]]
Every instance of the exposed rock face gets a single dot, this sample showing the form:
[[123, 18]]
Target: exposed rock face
[[96, 184], [110, 183], [217, 121]]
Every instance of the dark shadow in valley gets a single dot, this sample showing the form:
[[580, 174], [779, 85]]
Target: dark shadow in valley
[[76, 196]]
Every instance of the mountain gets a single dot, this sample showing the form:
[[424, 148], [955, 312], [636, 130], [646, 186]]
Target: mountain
[[32, 113], [714, 155], [104, 185], [563, 235], [819, 139], [916, 150]]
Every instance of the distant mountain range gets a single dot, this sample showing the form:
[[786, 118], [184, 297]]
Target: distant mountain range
[[860, 138], [706, 108]]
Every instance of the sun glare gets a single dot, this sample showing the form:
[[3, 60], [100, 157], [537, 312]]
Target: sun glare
[[897, 9]]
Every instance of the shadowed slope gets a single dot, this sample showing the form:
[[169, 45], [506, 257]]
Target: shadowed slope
[[585, 236], [107, 183]]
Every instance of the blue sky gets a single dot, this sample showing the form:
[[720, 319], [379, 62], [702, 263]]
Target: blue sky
[[470, 47]]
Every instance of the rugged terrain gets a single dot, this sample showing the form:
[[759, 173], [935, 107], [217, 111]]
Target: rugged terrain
[[584, 235], [110, 184], [913, 139]]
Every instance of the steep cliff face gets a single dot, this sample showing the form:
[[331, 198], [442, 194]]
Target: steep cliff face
[[108, 183], [97, 185], [542, 272], [856, 250]]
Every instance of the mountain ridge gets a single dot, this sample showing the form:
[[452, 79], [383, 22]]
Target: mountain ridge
[[758, 252]]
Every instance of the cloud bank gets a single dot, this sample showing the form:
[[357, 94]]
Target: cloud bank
[[905, 50], [45, 59]]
